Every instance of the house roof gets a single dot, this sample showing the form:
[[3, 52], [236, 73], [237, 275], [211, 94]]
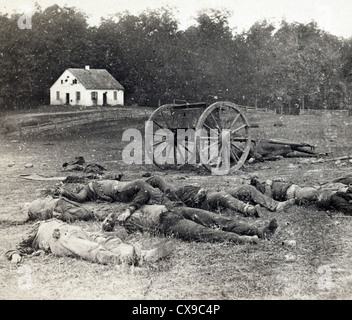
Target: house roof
[[96, 79]]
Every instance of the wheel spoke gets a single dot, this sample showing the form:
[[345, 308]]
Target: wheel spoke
[[155, 157], [237, 147], [234, 156], [168, 150], [234, 121], [210, 159], [217, 124], [209, 146], [239, 128], [157, 143], [204, 124], [158, 125], [191, 152], [162, 114], [178, 148], [159, 135]]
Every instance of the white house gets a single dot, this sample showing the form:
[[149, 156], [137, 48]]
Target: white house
[[87, 87]]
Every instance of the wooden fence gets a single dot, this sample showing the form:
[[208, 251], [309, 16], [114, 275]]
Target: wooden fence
[[302, 112]]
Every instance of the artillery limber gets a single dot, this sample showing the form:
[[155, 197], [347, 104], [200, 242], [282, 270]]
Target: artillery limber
[[197, 133]]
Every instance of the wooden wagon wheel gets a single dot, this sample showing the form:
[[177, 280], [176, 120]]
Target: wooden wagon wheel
[[165, 149], [220, 121]]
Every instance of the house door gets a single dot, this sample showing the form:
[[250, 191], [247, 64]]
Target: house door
[[67, 98], [105, 99]]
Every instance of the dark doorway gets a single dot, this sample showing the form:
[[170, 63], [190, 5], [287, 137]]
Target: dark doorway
[[105, 99], [67, 98]]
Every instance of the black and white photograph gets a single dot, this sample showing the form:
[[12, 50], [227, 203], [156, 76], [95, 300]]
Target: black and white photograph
[[176, 150]]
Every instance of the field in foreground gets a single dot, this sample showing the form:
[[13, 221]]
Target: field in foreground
[[318, 267]]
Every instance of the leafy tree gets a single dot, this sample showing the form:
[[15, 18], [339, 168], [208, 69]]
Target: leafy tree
[[258, 61], [157, 63], [16, 62], [208, 50], [141, 49], [306, 63], [34, 58], [59, 40]]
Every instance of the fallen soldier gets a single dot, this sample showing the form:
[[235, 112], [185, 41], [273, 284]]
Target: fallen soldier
[[335, 195], [139, 192], [91, 170], [136, 192], [189, 224], [270, 149], [340, 200], [234, 198], [46, 208], [62, 239], [79, 164], [282, 190]]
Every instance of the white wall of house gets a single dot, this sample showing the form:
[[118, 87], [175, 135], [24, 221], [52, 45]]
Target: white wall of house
[[65, 89]]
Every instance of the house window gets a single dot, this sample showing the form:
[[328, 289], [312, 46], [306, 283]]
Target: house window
[[62, 81], [94, 95], [74, 81], [78, 95], [57, 95], [115, 95]]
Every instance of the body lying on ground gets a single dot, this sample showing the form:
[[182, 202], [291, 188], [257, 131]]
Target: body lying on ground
[[79, 164], [137, 193], [46, 208], [241, 197], [189, 224], [156, 190], [91, 170], [335, 195], [267, 149], [62, 239]]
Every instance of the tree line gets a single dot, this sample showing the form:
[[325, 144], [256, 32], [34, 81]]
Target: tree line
[[292, 65]]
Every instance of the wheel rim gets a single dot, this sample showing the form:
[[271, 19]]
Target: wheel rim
[[167, 149], [221, 121]]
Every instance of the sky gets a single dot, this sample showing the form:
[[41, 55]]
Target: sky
[[334, 16]]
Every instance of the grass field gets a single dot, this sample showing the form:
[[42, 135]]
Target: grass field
[[317, 267]]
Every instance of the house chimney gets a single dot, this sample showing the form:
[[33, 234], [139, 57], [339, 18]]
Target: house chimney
[[86, 67]]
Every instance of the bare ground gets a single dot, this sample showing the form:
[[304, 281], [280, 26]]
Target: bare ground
[[318, 267]]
